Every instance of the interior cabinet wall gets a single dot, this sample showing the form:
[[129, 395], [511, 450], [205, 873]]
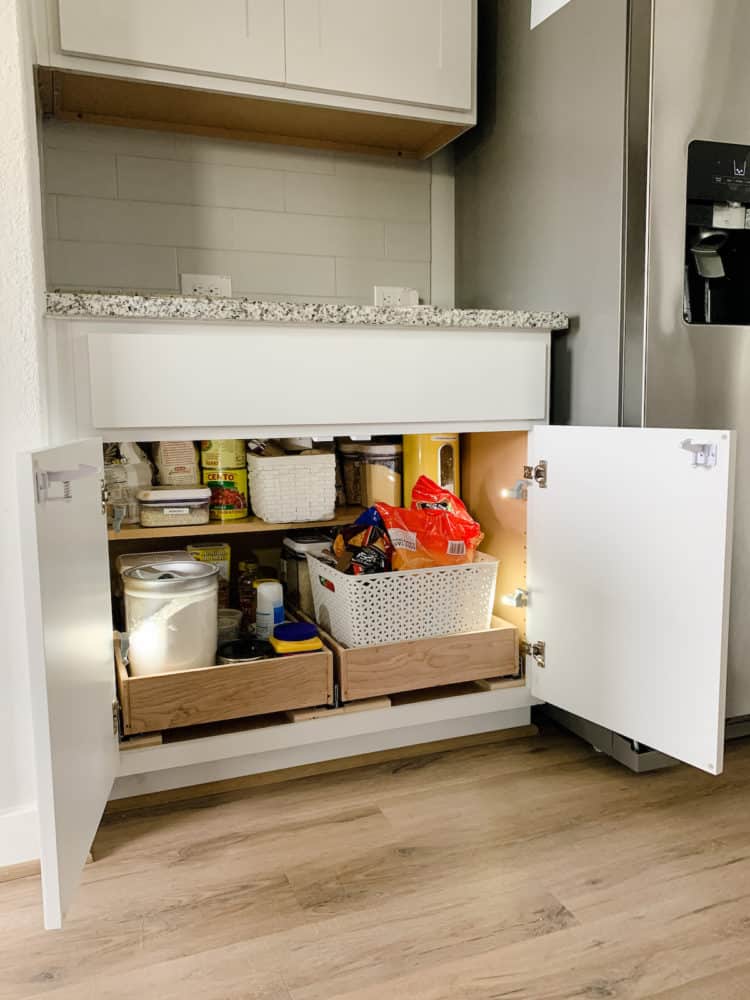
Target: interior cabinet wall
[[127, 209], [489, 463]]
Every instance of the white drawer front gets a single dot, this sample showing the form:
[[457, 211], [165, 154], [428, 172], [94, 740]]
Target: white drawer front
[[271, 378]]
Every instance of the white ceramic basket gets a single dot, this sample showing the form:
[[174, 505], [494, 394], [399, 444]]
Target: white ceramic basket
[[292, 487], [409, 604]]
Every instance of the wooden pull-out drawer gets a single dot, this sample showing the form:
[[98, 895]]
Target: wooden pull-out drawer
[[369, 671], [213, 694]]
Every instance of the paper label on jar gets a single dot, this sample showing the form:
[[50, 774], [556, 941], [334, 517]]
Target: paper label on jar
[[175, 511], [402, 539]]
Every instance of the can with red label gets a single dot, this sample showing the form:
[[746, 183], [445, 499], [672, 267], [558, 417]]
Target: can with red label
[[228, 493]]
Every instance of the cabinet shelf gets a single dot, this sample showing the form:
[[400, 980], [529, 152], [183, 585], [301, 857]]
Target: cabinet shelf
[[344, 515]]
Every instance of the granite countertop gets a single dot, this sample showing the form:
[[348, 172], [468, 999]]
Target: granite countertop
[[93, 305]]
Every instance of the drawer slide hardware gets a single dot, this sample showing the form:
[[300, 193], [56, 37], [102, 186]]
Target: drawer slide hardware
[[115, 717], [535, 650], [704, 455]]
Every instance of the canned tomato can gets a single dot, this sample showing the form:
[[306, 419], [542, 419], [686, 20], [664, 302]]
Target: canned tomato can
[[228, 493], [228, 453]]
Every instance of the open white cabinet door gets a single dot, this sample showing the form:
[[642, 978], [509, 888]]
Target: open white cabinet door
[[628, 576], [67, 593]]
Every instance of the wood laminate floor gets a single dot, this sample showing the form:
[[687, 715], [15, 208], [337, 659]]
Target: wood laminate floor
[[530, 870]]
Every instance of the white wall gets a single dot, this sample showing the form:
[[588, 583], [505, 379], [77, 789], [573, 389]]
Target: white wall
[[21, 413], [127, 209]]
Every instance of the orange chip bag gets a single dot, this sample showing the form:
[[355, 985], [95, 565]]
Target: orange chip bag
[[437, 531]]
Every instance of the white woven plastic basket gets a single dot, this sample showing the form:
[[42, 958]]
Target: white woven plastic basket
[[292, 487], [410, 604]]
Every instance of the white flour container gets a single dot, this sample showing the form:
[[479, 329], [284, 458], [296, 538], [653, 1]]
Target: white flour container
[[171, 616]]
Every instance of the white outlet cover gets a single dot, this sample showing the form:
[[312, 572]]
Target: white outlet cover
[[218, 285], [396, 295]]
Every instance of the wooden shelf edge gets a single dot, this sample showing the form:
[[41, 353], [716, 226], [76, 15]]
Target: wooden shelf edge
[[249, 525]]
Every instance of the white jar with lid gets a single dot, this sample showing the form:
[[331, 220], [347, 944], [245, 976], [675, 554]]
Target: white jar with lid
[[171, 616]]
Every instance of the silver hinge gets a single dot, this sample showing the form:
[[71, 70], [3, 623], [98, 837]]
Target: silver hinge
[[532, 474], [536, 474], [535, 650], [704, 455], [105, 494], [116, 717]]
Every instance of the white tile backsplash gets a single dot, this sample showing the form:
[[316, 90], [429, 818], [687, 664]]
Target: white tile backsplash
[[143, 178], [110, 266], [355, 278], [251, 154], [128, 209], [68, 171], [371, 197], [259, 273], [407, 241]]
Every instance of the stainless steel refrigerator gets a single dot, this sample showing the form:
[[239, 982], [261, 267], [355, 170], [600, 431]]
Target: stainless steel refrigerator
[[609, 176]]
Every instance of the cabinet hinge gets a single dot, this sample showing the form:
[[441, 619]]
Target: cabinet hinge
[[105, 494], [535, 650], [532, 475], [536, 474], [704, 456], [116, 717]]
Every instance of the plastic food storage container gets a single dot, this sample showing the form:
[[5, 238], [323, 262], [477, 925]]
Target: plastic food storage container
[[229, 624], [171, 616], [294, 571], [372, 473], [165, 506]]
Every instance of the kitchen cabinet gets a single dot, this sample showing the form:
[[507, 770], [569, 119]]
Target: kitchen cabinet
[[418, 52], [229, 38], [622, 544], [351, 76]]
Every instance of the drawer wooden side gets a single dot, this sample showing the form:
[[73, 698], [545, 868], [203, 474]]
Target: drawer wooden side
[[369, 671], [213, 694]]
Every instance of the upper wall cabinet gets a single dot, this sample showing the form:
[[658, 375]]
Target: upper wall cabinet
[[242, 38], [353, 75], [418, 51]]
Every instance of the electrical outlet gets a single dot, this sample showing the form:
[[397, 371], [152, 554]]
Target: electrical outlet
[[395, 295], [219, 285]]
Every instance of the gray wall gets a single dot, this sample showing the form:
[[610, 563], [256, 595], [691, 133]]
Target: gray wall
[[539, 187]]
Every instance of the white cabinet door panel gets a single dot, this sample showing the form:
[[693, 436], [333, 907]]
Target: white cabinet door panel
[[241, 38], [69, 623], [628, 571], [418, 52]]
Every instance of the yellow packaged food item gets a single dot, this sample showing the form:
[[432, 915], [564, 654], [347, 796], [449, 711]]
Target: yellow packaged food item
[[220, 555], [228, 453]]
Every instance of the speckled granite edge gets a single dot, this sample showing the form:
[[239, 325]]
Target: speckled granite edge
[[92, 305]]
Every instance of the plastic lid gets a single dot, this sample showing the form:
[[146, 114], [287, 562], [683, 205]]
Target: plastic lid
[[381, 450], [169, 577], [307, 543], [295, 632], [173, 494]]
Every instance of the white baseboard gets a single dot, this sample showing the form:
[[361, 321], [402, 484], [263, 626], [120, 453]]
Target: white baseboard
[[278, 759], [19, 835]]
